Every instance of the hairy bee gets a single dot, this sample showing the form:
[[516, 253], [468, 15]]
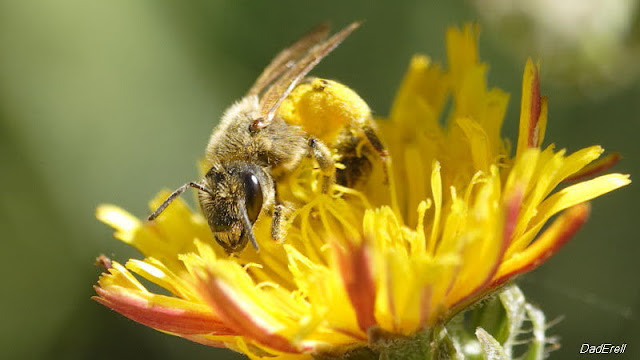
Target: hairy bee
[[263, 137]]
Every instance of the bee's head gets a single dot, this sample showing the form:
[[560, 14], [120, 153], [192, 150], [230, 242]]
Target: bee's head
[[238, 191]]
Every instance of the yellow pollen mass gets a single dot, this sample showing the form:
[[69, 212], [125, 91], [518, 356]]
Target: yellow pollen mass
[[324, 108]]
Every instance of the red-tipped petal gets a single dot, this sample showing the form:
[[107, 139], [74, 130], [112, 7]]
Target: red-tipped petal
[[545, 246], [233, 313], [175, 320], [533, 110], [596, 167], [512, 207], [357, 275]]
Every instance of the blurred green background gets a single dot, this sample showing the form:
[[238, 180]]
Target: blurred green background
[[112, 101]]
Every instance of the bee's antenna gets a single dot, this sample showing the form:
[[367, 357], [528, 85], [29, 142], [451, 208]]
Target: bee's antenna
[[247, 225], [174, 195]]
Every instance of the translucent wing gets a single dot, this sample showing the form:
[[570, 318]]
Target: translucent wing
[[286, 58], [281, 88]]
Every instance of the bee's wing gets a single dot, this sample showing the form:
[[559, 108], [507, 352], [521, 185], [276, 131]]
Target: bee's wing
[[286, 58], [274, 96]]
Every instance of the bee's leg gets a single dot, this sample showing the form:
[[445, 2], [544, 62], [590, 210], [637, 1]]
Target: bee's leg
[[277, 224], [279, 219], [371, 135], [378, 146], [321, 153]]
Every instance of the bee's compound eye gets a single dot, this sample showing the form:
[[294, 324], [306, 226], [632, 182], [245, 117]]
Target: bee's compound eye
[[253, 193]]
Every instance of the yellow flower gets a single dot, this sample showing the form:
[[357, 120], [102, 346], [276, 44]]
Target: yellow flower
[[459, 219]]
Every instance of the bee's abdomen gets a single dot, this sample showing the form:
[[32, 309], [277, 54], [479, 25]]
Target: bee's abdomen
[[354, 154], [356, 170]]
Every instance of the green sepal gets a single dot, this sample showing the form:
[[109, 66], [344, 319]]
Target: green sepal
[[500, 327]]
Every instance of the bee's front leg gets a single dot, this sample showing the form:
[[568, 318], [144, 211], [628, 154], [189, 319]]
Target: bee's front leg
[[279, 217], [280, 220], [322, 154], [278, 232]]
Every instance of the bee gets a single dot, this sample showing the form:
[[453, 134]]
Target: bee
[[253, 146]]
